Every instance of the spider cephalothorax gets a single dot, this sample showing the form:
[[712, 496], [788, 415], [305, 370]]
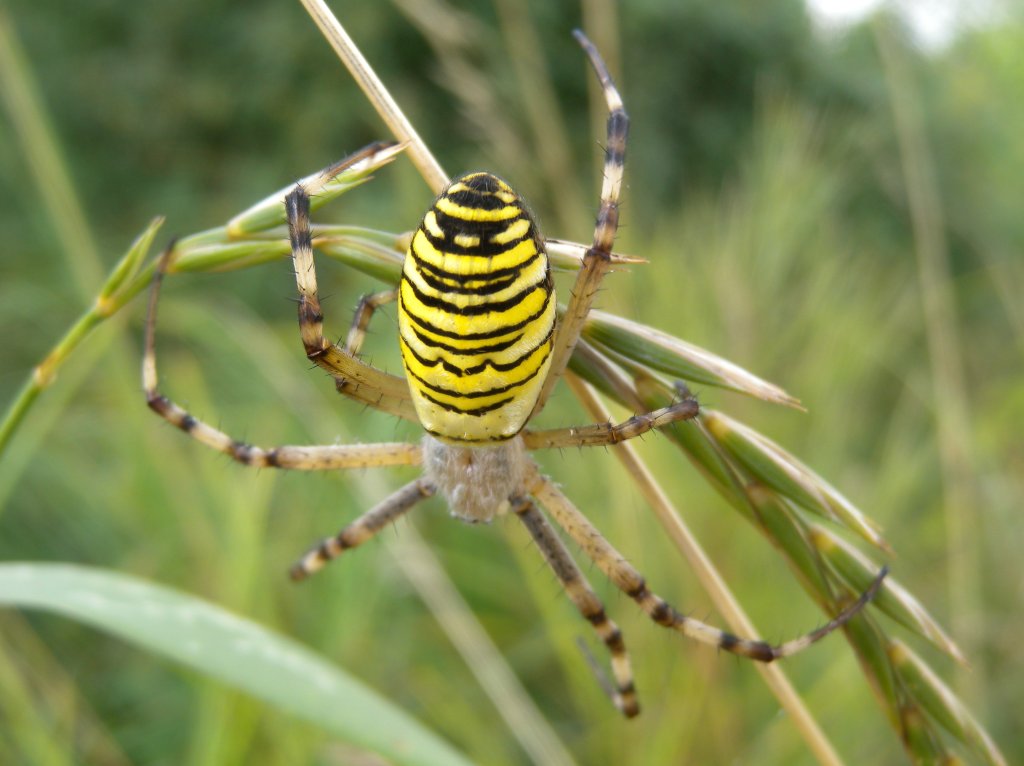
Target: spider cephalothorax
[[482, 350]]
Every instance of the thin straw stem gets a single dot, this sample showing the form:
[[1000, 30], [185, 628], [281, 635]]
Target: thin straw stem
[[726, 603], [376, 93]]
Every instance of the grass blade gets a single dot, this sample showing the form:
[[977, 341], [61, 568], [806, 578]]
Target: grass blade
[[774, 677], [893, 599], [940, 702], [218, 643], [677, 358], [781, 471]]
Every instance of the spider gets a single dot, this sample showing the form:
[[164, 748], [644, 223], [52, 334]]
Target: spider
[[482, 349]]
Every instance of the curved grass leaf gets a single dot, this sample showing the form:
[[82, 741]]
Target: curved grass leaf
[[782, 472], [939, 701], [237, 651], [677, 358]]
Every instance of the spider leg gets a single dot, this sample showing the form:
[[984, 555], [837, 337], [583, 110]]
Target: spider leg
[[623, 691], [368, 304], [354, 378], [632, 583], [300, 457], [598, 259], [363, 528], [601, 434]]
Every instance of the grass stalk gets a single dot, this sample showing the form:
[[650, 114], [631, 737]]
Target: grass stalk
[[126, 280], [376, 93], [711, 579]]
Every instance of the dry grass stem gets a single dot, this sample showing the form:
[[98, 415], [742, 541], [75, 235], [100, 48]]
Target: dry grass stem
[[726, 603]]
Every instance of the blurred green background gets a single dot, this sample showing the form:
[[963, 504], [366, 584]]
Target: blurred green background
[[770, 184]]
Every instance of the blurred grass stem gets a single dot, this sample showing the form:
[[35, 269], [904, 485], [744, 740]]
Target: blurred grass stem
[[950, 405], [64, 211], [524, 721], [49, 170], [543, 112]]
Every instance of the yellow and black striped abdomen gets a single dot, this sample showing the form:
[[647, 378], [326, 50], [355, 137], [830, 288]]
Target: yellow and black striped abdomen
[[476, 312]]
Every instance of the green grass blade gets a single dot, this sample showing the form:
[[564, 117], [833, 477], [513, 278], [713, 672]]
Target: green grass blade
[[791, 478], [322, 187], [896, 601], [941, 703], [229, 256], [130, 262], [677, 358], [222, 645]]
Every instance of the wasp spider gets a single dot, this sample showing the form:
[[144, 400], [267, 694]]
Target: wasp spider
[[482, 350]]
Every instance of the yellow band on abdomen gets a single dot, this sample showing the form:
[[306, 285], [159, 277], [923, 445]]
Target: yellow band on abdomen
[[476, 313]]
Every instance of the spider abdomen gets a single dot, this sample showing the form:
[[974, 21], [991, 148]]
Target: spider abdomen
[[476, 313]]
